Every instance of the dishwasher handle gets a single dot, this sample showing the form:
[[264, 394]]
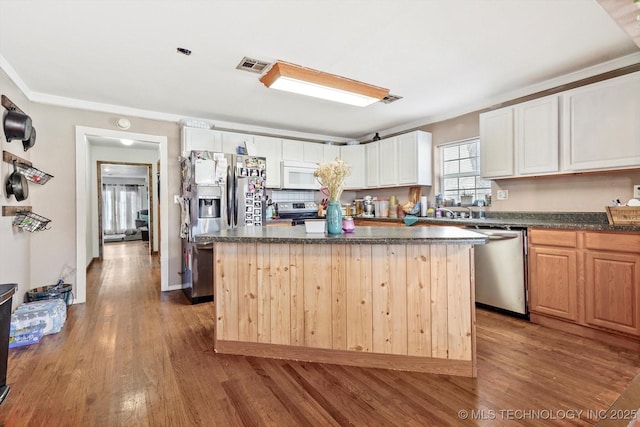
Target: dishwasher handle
[[502, 236]]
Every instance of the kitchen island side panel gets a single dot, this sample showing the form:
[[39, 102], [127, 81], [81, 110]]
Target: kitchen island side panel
[[414, 301], [359, 298], [419, 300]]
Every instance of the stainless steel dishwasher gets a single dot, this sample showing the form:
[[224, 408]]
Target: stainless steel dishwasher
[[501, 271]]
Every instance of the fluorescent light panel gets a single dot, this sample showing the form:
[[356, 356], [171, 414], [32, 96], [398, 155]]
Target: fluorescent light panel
[[306, 81]]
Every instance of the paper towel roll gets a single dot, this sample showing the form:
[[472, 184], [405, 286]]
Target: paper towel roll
[[423, 206]]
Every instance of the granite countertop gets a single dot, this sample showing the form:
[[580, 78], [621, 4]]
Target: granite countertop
[[361, 235], [596, 221]]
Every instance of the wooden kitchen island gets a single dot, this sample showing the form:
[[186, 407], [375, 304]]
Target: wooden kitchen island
[[396, 298]]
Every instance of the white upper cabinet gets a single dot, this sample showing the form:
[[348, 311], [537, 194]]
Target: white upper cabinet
[[292, 150], [232, 140], [388, 162], [415, 164], [497, 143], [591, 128], [354, 155], [312, 152], [330, 153], [200, 140], [537, 136], [302, 151], [271, 148], [372, 154], [601, 125]]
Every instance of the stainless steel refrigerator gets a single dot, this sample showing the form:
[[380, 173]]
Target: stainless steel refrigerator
[[220, 191]]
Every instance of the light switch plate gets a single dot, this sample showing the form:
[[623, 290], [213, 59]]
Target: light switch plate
[[176, 199], [502, 194]]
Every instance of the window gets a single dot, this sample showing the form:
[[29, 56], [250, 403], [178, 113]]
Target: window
[[460, 171]]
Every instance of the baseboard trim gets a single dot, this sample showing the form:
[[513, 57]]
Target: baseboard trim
[[612, 338], [462, 368]]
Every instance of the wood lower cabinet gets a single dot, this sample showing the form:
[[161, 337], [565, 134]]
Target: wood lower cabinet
[[612, 281], [554, 271], [586, 282]]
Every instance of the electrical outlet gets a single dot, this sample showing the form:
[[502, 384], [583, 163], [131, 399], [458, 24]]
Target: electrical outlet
[[176, 199], [636, 191], [502, 194]]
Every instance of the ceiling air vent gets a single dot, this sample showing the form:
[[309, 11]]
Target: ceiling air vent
[[252, 65], [390, 98]]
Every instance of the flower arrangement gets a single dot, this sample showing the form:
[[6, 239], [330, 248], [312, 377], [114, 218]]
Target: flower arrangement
[[331, 176]]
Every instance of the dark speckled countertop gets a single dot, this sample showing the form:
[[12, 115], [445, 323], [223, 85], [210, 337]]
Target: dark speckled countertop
[[559, 220], [362, 235]]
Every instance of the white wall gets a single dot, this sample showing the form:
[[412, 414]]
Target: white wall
[[15, 244], [124, 155], [36, 259]]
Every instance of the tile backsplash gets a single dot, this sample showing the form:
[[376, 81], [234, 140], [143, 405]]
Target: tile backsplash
[[292, 195]]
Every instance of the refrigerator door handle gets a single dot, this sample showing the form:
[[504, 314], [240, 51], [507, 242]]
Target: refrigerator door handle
[[235, 199], [230, 198]]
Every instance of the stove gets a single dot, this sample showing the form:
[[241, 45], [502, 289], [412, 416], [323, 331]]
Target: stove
[[297, 211]]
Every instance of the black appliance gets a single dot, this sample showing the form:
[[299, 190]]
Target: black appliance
[[297, 212], [6, 296]]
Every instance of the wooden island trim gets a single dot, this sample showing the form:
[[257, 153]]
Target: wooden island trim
[[396, 306]]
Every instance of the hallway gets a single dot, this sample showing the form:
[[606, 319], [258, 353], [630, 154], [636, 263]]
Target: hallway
[[134, 356]]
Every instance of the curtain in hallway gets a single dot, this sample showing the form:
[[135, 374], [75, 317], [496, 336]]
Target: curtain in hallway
[[120, 206]]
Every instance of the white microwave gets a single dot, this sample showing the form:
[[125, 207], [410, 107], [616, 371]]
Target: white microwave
[[299, 176]]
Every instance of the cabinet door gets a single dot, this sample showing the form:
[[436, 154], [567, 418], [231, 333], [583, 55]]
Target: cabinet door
[[372, 154], [537, 136], [600, 125], [311, 152], [553, 282], [612, 291], [388, 163], [354, 155], [496, 143], [292, 150], [271, 148], [200, 139], [330, 153], [415, 165], [232, 140]]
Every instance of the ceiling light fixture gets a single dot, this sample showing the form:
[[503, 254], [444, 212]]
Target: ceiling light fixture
[[306, 81], [126, 141]]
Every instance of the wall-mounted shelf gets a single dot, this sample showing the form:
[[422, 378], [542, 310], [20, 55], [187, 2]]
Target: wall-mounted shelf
[[25, 219], [14, 210], [26, 169], [9, 105]]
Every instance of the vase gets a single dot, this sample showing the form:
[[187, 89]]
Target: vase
[[334, 217]]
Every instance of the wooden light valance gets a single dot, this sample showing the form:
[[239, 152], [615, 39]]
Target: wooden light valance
[[304, 75]]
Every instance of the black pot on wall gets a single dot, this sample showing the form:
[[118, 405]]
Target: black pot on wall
[[16, 125], [28, 143]]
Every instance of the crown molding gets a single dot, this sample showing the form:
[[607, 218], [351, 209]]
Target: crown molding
[[624, 61]]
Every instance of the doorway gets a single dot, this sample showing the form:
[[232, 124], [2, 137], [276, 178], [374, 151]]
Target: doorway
[[86, 230], [125, 203]]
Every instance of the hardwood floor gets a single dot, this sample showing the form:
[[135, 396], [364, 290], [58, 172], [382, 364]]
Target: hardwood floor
[[134, 356]]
